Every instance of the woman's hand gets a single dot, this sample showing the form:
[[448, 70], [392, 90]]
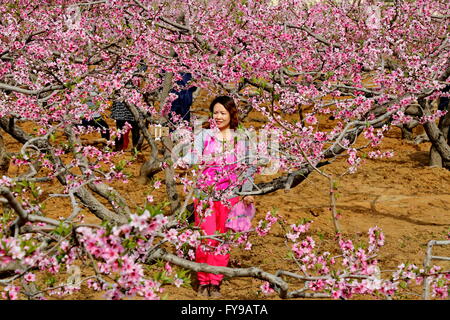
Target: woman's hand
[[248, 200]]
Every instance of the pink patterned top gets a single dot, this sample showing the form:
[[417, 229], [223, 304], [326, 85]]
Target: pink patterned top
[[222, 161]]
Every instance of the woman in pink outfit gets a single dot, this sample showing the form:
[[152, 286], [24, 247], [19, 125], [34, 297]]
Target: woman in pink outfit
[[222, 150]]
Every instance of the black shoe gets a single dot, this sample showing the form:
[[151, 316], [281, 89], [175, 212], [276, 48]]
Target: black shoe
[[203, 290], [214, 291]]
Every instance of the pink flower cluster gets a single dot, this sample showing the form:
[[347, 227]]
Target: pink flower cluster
[[380, 155], [266, 288], [373, 136], [297, 230], [361, 273], [353, 160], [11, 292], [117, 259], [433, 117], [265, 225]]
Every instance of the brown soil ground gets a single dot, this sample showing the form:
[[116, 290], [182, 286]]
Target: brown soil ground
[[406, 198]]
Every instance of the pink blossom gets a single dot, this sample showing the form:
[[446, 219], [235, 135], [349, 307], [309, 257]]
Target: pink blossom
[[157, 184], [29, 277], [171, 235], [11, 292], [266, 288], [311, 119], [168, 268], [178, 282]]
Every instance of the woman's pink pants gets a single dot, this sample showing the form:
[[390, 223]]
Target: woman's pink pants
[[209, 225]]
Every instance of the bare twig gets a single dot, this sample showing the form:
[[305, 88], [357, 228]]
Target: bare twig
[[279, 283]]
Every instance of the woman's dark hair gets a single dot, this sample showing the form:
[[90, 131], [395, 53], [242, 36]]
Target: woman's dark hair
[[230, 106]]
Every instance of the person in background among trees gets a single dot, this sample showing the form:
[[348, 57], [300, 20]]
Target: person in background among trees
[[444, 105], [121, 113], [220, 172], [181, 106], [97, 120]]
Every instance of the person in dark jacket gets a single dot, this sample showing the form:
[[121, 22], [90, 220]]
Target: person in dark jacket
[[182, 104], [443, 101], [122, 114], [445, 106], [96, 120]]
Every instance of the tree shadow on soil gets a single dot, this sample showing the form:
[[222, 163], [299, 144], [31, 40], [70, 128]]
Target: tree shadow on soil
[[420, 158], [373, 210]]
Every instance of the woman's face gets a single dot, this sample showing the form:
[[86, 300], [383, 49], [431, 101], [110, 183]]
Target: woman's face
[[221, 116]]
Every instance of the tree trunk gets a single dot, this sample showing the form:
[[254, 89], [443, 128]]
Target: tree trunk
[[148, 170], [151, 166], [407, 133], [121, 208], [444, 126], [4, 158], [435, 158], [8, 124], [116, 200], [407, 128], [438, 135], [97, 208], [169, 173]]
